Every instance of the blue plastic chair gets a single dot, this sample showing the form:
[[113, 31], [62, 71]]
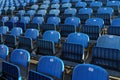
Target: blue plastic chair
[[106, 47], [113, 29], [16, 31], [4, 29], [55, 12], [95, 21], [72, 21], [52, 35], [78, 38], [56, 70], [4, 51], [85, 11], [32, 33], [21, 58], [71, 11], [53, 20], [89, 72]]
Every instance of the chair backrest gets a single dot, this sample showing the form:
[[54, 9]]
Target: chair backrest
[[56, 12], [25, 19], [113, 3], [44, 6], [95, 22], [20, 57], [85, 11], [25, 43], [55, 1], [16, 31], [66, 5], [96, 4], [72, 21], [45, 47], [56, 5], [38, 20], [10, 71], [4, 29], [14, 19], [4, 51], [81, 4], [72, 52], [52, 35], [33, 75], [31, 12], [109, 41], [56, 66], [116, 22], [78, 38], [89, 72], [105, 10], [42, 12], [5, 19], [21, 12], [65, 1], [53, 20], [32, 33], [70, 11]]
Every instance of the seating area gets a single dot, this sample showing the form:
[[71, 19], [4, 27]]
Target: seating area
[[59, 40]]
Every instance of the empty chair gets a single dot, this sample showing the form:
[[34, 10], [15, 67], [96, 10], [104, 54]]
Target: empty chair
[[52, 35], [41, 12], [4, 29], [21, 13], [65, 1], [26, 42], [52, 23], [35, 7], [44, 47], [84, 14], [71, 11], [95, 5], [36, 22], [16, 31], [55, 12], [106, 47], [4, 52], [30, 13], [32, 33], [3, 20], [19, 63], [12, 22], [93, 27], [80, 4], [114, 27], [55, 71], [89, 72], [44, 6], [55, 1], [66, 5], [10, 41], [115, 5], [55, 6], [73, 49], [70, 25], [77, 38], [12, 69], [105, 13], [23, 22]]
